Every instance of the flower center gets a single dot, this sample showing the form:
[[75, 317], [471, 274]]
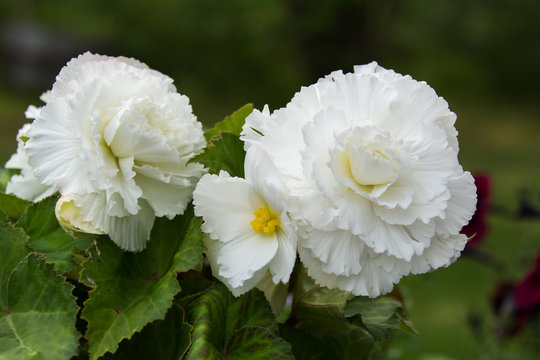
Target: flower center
[[371, 165], [264, 221]]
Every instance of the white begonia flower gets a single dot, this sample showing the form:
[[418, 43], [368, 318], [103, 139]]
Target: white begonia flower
[[116, 137], [249, 230], [370, 161]]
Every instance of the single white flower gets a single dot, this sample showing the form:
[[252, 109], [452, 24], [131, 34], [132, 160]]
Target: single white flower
[[116, 137], [249, 230], [370, 160]]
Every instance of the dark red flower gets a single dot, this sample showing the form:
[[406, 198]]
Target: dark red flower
[[516, 305], [478, 225], [527, 293]]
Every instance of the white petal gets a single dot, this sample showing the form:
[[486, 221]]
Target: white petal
[[247, 253], [129, 232], [373, 280], [442, 252], [393, 240], [56, 152], [27, 186], [167, 194], [461, 206], [354, 213], [129, 134], [263, 176], [339, 251], [213, 248], [414, 212], [281, 266], [226, 204]]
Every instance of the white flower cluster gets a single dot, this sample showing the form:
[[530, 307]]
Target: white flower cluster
[[362, 168], [114, 138]]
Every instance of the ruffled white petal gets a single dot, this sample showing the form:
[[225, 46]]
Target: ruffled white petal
[[130, 232], [442, 252], [25, 185]]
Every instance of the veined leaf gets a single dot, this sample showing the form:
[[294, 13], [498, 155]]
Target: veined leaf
[[37, 314], [166, 339], [232, 123], [225, 152], [380, 316], [229, 327], [133, 289], [48, 237], [254, 342]]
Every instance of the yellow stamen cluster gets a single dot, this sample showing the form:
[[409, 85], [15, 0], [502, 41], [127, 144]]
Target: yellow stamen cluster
[[263, 221]]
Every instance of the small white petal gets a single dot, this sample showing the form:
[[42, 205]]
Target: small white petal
[[281, 266], [213, 248]]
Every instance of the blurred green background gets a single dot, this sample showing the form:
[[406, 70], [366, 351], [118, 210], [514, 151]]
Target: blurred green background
[[483, 57]]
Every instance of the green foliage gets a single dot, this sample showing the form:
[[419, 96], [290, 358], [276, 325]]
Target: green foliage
[[5, 175], [229, 327], [380, 317], [334, 324], [166, 339], [37, 314], [225, 152], [310, 300], [12, 206], [133, 289], [232, 123], [305, 346]]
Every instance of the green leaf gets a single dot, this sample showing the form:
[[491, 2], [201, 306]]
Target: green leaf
[[38, 313], [12, 206], [311, 300], [232, 123], [5, 175], [255, 342], [48, 237], [13, 248], [133, 289], [320, 312], [223, 323], [305, 346], [166, 339], [348, 341], [380, 317], [225, 152], [193, 285]]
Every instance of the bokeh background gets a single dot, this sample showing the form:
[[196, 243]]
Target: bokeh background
[[482, 56]]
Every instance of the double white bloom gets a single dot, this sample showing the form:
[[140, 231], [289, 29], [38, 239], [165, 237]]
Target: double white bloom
[[368, 164], [114, 138]]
